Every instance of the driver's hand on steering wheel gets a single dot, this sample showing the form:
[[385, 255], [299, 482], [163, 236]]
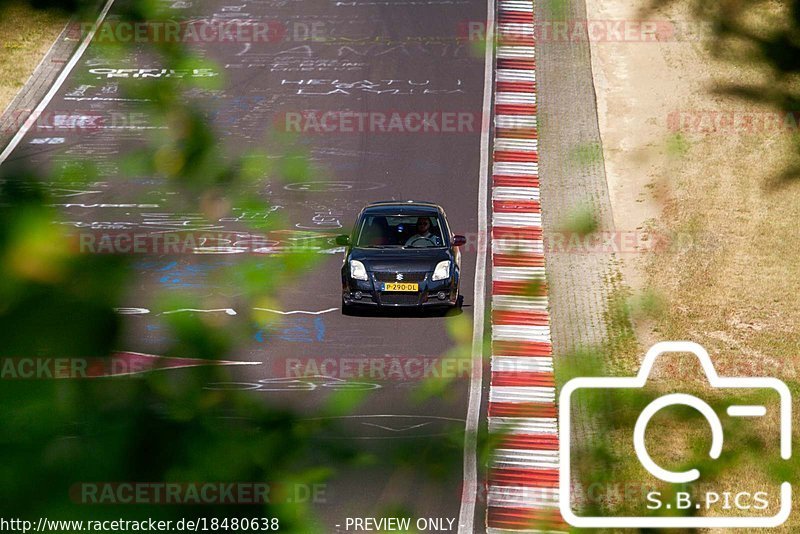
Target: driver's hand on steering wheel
[[418, 238]]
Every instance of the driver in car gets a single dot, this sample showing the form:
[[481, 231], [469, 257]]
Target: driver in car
[[424, 237]]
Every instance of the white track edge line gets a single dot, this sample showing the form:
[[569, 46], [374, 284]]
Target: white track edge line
[[466, 516]]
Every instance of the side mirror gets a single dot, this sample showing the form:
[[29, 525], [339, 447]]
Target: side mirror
[[459, 240], [343, 240]]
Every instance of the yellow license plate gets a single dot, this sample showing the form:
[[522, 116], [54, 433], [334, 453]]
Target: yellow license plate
[[400, 286]]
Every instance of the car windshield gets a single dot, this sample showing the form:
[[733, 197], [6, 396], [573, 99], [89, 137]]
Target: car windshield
[[400, 231]]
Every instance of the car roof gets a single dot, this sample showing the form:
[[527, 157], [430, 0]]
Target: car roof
[[399, 207]]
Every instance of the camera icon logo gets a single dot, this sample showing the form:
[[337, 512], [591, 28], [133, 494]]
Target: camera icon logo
[[681, 477]]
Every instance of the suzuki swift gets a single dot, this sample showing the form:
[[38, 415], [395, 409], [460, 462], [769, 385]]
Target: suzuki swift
[[401, 254]]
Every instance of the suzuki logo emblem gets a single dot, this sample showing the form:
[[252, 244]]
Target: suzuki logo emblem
[[399, 276]]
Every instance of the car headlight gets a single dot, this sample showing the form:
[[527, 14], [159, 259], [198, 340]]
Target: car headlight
[[358, 271], [442, 271]]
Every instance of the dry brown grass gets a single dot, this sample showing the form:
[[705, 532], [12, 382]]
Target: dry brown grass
[[25, 37], [734, 288], [732, 280], [735, 291]]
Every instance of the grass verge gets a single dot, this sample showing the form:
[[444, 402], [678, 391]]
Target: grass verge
[[26, 35]]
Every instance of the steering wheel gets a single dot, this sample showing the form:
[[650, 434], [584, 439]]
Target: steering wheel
[[414, 241]]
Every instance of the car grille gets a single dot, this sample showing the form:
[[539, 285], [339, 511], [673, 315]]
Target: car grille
[[407, 277], [401, 299]]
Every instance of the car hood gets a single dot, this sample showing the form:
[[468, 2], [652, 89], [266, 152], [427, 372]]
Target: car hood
[[393, 259]]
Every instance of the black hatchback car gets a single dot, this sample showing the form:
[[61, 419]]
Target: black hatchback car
[[401, 254]]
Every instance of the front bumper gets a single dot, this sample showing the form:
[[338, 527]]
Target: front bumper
[[372, 295]]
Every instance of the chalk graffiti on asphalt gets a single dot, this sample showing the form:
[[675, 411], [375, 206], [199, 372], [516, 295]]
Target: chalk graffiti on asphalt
[[294, 329], [153, 73], [317, 87], [332, 186], [228, 311], [323, 220], [173, 275], [307, 383]]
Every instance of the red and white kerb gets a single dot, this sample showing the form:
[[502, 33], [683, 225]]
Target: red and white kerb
[[523, 470]]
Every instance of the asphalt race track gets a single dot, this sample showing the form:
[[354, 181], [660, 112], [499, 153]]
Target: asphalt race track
[[375, 58]]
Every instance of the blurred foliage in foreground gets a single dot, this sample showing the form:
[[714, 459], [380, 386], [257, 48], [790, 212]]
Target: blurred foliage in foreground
[[761, 34], [57, 303]]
